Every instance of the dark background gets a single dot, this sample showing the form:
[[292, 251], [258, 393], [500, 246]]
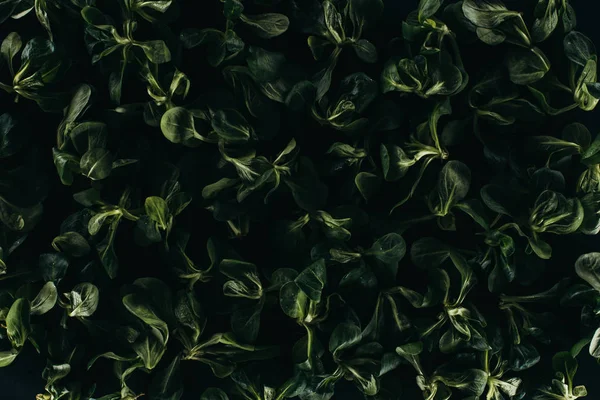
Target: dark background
[[23, 379]]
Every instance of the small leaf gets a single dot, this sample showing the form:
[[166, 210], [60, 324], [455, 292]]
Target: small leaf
[[53, 266], [96, 164], [293, 300], [267, 25], [595, 344], [71, 243], [7, 357], [158, 211], [166, 384], [312, 280], [367, 184], [587, 268], [366, 51], [83, 300], [427, 8], [45, 299], [142, 309], [214, 394], [177, 125], [18, 327], [231, 126], [156, 51], [389, 249]]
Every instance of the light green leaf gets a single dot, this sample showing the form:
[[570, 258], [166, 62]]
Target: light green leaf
[[138, 306], [83, 300], [427, 8], [156, 51], [526, 66], [151, 350], [267, 25], [293, 300], [158, 211], [7, 357], [45, 299], [96, 164], [18, 326], [587, 268]]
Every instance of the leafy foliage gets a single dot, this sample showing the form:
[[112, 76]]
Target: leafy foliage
[[272, 199]]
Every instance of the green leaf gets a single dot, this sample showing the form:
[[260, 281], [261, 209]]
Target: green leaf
[[293, 300], [96, 164], [499, 200], [309, 192], [429, 253], [546, 20], [156, 51], [45, 299], [579, 48], [12, 135], [427, 8], [212, 38], [594, 349], [232, 9], [157, 209], [11, 45], [344, 335], [410, 349], [487, 13], [526, 66], [150, 350], [453, 185], [591, 155], [71, 243], [146, 231], [312, 280], [106, 250], [244, 279], [365, 50], [365, 13], [553, 213], [7, 357], [523, 356], [166, 384], [564, 362], [141, 308], [214, 394], [390, 248], [334, 22], [53, 266], [367, 184], [245, 323], [413, 76], [231, 126], [395, 162], [177, 125], [66, 164], [18, 326], [587, 268], [268, 25], [189, 314], [470, 381], [83, 300], [265, 66]]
